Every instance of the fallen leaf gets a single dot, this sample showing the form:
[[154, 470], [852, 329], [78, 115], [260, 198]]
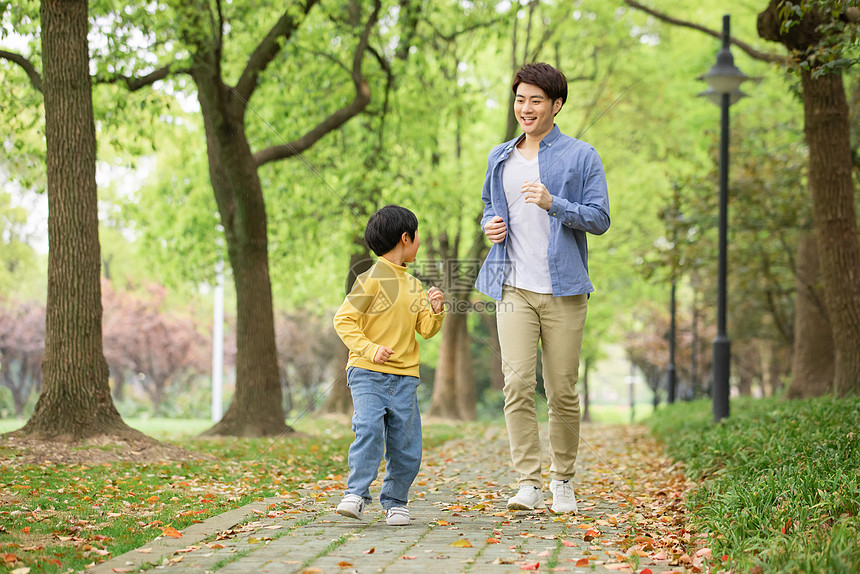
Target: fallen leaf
[[530, 566], [462, 543], [409, 557], [617, 566], [582, 562], [171, 531], [493, 541], [144, 550], [124, 569], [568, 543], [646, 571], [371, 551], [344, 564]]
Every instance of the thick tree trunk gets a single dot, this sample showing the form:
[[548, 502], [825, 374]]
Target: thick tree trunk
[[444, 402], [465, 376], [813, 358], [76, 400], [827, 134], [257, 406]]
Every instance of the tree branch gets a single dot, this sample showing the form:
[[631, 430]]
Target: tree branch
[[35, 77], [752, 52], [266, 51], [135, 83], [339, 117]]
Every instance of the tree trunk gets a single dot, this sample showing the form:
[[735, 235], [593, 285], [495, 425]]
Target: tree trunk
[[76, 400], [444, 401], [827, 134], [464, 375], [813, 358], [257, 406]]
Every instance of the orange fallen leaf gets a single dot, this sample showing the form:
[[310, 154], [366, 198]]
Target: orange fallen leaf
[[582, 562], [590, 535], [568, 543], [462, 543], [344, 564], [371, 551], [124, 569], [617, 566], [646, 571], [442, 522], [172, 532], [409, 557], [493, 541], [530, 566], [311, 571], [152, 498]]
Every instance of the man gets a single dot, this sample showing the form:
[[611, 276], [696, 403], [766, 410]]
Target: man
[[542, 193]]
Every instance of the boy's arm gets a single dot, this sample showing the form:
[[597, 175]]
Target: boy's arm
[[346, 320]]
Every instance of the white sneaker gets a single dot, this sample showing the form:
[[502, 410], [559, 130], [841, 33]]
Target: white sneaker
[[563, 499], [352, 506], [528, 498], [397, 516]]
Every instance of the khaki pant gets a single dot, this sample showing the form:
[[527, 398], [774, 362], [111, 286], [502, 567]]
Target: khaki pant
[[524, 317]]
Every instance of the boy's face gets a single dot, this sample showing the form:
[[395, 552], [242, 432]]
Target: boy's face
[[534, 111], [411, 247]]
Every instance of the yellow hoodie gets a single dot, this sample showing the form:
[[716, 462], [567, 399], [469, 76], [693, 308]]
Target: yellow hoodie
[[386, 307]]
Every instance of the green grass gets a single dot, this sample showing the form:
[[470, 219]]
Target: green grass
[[781, 480], [57, 517]]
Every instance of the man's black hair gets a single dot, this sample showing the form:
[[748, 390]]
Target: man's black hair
[[544, 76], [386, 227]]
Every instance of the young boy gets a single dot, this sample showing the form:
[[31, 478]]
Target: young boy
[[377, 322]]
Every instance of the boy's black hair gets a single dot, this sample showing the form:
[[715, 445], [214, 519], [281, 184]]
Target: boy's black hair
[[544, 76], [386, 227]]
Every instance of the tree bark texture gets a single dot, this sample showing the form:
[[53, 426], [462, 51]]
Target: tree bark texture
[[826, 125], [75, 400], [813, 357], [827, 134], [257, 406]]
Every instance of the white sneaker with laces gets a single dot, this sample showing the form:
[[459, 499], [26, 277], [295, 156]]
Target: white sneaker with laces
[[563, 499], [397, 516], [528, 498], [352, 505]]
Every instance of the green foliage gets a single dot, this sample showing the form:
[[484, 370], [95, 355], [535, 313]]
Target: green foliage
[[780, 480]]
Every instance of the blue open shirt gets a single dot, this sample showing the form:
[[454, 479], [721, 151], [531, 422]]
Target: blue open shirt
[[572, 172]]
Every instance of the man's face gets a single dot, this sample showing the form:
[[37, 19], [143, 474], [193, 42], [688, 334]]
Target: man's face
[[534, 111]]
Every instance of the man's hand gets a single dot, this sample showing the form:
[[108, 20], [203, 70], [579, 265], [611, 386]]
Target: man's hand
[[437, 299], [383, 353], [496, 230], [538, 194]]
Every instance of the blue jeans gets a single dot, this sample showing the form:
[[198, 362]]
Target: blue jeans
[[386, 419]]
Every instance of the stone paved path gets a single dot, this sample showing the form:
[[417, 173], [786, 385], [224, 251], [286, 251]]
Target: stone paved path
[[459, 523]]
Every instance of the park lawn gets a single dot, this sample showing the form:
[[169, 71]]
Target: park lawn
[[780, 481], [64, 517]]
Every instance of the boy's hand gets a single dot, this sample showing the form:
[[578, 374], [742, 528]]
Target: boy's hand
[[437, 299], [383, 353]]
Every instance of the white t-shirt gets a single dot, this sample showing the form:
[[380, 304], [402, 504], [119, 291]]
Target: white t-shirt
[[528, 228]]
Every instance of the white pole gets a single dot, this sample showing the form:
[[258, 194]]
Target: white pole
[[218, 344]]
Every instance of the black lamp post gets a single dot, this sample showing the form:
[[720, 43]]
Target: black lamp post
[[724, 80]]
